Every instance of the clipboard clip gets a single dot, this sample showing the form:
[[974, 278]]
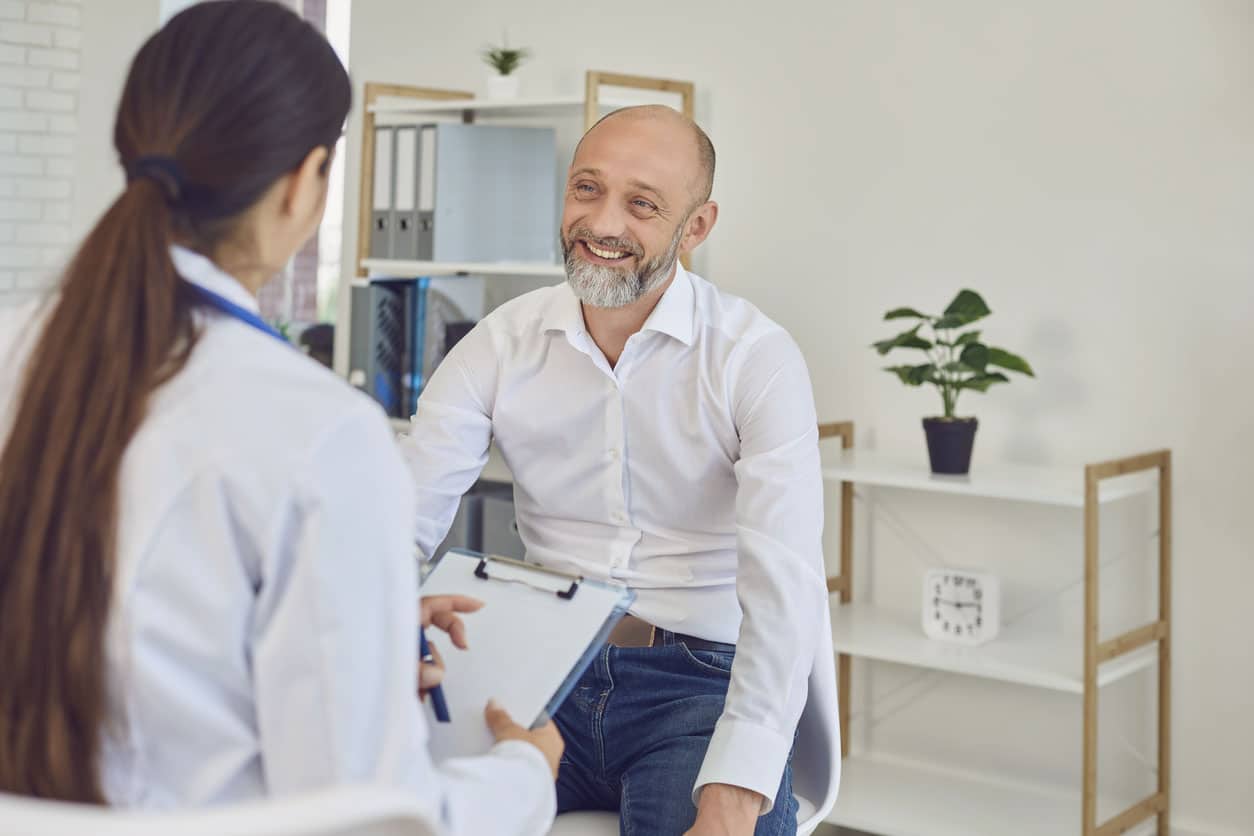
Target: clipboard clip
[[481, 572]]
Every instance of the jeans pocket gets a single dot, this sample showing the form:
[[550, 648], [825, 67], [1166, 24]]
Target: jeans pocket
[[708, 661]]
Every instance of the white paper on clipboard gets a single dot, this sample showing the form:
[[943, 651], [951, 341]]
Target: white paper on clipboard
[[528, 645]]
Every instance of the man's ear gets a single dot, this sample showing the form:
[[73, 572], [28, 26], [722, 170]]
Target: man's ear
[[306, 186], [699, 226]]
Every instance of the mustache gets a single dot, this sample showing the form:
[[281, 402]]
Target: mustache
[[625, 245]]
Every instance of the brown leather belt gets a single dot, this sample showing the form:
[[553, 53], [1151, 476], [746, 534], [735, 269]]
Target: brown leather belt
[[633, 631]]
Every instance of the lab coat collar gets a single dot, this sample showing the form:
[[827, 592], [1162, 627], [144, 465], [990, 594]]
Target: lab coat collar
[[201, 271]]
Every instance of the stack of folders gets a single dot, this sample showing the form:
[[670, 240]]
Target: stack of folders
[[401, 331], [451, 192]]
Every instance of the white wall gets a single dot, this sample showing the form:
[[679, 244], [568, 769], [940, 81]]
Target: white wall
[[113, 33], [62, 65], [39, 84], [1089, 167]]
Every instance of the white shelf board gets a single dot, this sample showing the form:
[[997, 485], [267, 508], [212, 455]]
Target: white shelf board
[[384, 268], [1018, 655], [889, 798], [1044, 485], [398, 106]]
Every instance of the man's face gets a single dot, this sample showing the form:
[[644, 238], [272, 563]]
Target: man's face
[[628, 198]]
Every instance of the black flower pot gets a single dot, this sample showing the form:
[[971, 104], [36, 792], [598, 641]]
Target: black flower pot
[[949, 443]]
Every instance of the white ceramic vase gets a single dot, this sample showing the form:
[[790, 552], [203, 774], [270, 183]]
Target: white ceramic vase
[[502, 87]]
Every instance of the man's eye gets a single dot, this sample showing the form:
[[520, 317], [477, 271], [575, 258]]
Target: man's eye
[[585, 188], [644, 204]]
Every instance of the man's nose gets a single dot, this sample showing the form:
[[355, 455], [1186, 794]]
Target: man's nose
[[606, 221]]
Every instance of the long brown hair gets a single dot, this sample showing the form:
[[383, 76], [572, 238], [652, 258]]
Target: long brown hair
[[227, 98]]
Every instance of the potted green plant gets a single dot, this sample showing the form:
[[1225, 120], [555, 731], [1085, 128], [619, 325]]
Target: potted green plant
[[505, 61], [956, 363]]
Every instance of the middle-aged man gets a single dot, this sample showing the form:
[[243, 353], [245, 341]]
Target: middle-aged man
[[661, 434]]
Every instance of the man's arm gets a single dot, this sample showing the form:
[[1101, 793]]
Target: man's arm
[[447, 444], [779, 582]]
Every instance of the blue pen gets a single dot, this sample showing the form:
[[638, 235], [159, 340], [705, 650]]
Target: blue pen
[[436, 693]]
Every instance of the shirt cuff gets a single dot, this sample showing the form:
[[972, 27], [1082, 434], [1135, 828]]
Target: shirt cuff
[[745, 755]]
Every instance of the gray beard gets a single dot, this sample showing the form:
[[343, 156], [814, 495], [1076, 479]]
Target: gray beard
[[602, 286]]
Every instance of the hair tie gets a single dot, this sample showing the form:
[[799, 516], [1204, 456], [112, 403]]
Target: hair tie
[[164, 171]]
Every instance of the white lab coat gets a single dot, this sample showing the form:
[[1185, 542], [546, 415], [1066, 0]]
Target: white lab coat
[[262, 637]]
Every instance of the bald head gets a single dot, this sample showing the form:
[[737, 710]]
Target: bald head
[[669, 119]]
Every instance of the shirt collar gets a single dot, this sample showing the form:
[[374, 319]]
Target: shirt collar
[[671, 315], [565, 313], [201, 271]]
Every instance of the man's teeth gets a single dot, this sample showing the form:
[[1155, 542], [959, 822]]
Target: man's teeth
[[608, 254]]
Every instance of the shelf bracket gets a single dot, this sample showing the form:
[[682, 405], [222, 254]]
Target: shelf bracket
[[1154, 805], [1131, 640]]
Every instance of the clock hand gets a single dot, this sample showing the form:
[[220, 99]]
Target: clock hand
[[957, 603]]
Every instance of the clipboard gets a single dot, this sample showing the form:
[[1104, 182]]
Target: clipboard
[[537, 633]]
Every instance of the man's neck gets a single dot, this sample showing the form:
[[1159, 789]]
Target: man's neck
[[610, 328]]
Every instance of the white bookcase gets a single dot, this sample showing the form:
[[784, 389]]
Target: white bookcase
[[893, 796]]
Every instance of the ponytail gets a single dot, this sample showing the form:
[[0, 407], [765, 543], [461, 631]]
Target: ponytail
[[107, 343]]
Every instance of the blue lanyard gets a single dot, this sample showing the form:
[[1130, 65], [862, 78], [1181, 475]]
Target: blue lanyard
[[229, 308]]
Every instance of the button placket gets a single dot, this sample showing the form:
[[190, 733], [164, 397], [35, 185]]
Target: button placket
[[616, 465]]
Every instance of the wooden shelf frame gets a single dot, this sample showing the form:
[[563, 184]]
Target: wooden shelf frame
[[1096, 652]]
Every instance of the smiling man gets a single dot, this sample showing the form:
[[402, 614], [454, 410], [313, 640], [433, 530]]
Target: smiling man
[[661, 434]]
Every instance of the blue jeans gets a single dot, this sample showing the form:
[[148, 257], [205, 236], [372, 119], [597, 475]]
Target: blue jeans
[[636, 728]]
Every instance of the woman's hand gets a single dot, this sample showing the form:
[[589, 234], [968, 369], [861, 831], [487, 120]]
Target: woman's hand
[[442, 611]]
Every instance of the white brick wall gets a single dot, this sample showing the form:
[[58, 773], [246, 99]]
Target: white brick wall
[[39, 84]]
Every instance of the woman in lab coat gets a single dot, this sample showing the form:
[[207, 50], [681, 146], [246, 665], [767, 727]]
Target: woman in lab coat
[[207, 584]]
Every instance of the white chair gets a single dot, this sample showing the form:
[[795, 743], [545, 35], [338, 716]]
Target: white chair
[[342, 811], [815, 762]]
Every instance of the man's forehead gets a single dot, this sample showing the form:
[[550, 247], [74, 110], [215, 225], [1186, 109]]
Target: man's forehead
[[639, 154]]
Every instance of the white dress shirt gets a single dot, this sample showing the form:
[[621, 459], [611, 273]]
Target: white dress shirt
[[689, 471], [263, 632]]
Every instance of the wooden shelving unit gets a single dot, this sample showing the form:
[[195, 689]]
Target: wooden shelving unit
[[873, 790]]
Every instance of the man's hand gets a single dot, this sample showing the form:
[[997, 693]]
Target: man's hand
[[441, 611], [724, 810]]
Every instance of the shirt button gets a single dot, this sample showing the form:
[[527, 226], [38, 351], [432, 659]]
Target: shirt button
[[620, 517], [613, 454]]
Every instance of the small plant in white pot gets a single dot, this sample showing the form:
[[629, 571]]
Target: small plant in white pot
[[956, 363], [505, 61]]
